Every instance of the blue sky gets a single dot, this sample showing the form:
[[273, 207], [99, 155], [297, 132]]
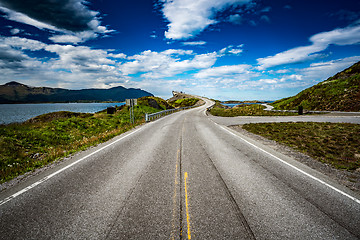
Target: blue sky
[[223, 49]]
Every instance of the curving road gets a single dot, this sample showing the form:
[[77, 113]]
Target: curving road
[[180, 177]]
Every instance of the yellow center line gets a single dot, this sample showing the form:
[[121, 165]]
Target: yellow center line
[[187, 207]]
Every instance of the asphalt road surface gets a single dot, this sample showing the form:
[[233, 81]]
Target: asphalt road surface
[[180, 177]]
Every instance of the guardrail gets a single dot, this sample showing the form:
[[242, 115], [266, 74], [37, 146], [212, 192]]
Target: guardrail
[[154, 116]]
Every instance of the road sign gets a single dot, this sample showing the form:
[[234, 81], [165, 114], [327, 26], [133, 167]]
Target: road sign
[[131, 102]]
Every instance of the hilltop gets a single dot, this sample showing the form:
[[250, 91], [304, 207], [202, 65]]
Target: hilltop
[[14, 92], [338, 93]]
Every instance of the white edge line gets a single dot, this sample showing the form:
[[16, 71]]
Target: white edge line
[[292, 166], [61, 170]]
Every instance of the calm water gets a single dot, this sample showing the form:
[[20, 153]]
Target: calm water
[[10, 113]]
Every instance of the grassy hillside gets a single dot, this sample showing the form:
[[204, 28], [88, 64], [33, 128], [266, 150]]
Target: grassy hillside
[[244, 110], [338, 93]]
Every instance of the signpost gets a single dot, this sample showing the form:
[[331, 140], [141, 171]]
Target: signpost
[[131, 103]]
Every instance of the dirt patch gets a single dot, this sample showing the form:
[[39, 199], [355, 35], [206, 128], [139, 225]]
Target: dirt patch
[[343, 177]]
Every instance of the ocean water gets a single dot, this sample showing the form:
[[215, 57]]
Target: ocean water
[[10, 113]]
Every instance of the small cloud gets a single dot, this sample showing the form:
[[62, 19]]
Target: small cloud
[[265, 18], [236, 19], [15, 31], [119, 55], [231, 50], [198, 43], [227, 70], [65, 39], [288, 7], [153, 35], [266, 9]]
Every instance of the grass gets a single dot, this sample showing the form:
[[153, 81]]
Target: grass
[[185, 102], [33, 144], [338, 93], [49, 137], [245, 110], [332, 143]]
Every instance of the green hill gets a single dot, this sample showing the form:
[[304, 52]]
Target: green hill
[[338, 93], [14, 92]]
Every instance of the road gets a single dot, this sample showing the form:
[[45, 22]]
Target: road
[[333, 118], [180, 177]]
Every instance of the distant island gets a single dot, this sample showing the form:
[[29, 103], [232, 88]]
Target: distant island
[[338, 93], [14, 92]]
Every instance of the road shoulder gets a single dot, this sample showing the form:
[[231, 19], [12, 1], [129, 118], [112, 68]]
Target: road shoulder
[[345, 178]]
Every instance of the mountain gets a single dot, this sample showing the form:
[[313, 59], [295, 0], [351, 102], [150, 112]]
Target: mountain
[[14, 92], [338, 93]]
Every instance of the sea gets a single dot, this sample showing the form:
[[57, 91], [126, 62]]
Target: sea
[[11, 113]]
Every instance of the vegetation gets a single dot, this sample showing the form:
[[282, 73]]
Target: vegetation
[[245, 110], [46, 138], [332, 143], [185, 102], [338, 93], [154, 102]]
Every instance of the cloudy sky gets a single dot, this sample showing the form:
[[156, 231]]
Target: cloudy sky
[[224, 49]]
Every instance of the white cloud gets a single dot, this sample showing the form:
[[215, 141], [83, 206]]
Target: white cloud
[[295, 55], [118, 55], [223, 71], [320, 42], [73, 66], [66, 39], [340, 36], [198, 43], [167, 63], [322, 70], [15, 31], [188, 18], [231, 50], [23, 43], [236, 19], [81, 59]]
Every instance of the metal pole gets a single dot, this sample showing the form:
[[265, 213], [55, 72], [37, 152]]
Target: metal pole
[[133, 116], [130, 111]]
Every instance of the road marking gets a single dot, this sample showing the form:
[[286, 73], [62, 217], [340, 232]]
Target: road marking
[[297, 169], [176, 183], [61, 170], [187, 207]]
